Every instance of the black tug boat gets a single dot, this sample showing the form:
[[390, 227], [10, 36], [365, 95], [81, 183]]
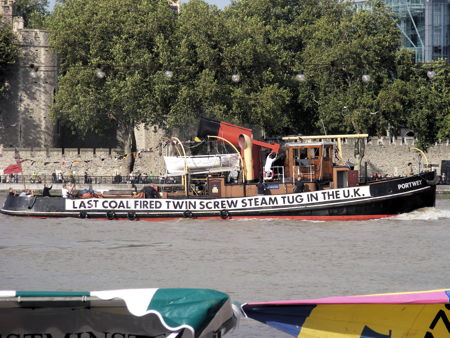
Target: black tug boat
[[299, 180]]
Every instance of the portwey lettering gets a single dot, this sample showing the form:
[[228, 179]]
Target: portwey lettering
[[408, 185]]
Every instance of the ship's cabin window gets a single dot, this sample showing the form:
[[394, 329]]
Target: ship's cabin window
[[313, 153], [303, 154], [299, 155], [327, 154]]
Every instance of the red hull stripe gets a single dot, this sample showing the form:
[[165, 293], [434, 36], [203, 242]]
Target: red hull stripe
[[303, 218]]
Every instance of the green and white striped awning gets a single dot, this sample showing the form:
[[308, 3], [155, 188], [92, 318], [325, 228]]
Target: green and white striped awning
[[116, 313]]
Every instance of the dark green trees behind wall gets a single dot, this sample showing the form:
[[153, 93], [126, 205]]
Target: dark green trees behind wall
[[127, 44], [34, 12], [240, 65], [9, 52]]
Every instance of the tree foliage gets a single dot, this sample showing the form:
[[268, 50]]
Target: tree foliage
[[9, 53], [266, 43], [34, 12], [127, 40], [430, 111], [346, 45]]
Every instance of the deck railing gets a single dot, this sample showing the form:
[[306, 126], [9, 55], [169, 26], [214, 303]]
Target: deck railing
[[118, 179]]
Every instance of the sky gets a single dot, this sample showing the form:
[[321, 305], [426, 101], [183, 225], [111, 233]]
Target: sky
[[219, 3]]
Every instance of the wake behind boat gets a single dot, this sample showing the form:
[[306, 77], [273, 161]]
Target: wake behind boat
[[304, 178]]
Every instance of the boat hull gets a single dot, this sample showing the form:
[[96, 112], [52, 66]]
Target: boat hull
[[377, 200]]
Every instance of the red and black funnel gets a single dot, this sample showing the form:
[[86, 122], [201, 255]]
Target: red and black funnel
[[230, 132]]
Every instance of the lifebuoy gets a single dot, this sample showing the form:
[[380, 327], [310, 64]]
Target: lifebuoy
[[187, 214], [111, 215], [268, 174], [131, 215], [224, 214], [83, 214]]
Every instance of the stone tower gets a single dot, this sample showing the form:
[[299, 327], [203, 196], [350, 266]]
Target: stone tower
[[24, 113]]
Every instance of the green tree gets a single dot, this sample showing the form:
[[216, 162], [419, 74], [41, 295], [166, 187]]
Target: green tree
[[9, 53], [260, 44], [212, 46], [267, 38], [395, 99], [417, 98], [197, 86], [344, 45], [257, 40], [34, 12], [127, 41], [430, 110]]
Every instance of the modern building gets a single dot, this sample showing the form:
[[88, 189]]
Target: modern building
[[425, 26]]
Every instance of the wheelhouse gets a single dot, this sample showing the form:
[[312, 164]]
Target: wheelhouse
[[309, 161]]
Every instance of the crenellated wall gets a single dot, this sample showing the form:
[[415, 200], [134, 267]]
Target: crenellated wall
[[77, 161], [382, 156], [387, 156]]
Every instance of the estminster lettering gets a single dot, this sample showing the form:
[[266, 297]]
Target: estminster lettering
[[408, 185], [218, 204], [87, 334]]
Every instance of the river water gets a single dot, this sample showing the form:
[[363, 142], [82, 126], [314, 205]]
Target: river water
[[251, 260]]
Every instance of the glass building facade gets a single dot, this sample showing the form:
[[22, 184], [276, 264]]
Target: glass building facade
[[437, 30], [425, 26]]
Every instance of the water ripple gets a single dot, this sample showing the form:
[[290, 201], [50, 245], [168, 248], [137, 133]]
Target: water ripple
[[133, 246]]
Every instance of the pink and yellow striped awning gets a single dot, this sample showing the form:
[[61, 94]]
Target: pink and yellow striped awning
[[417, 314]]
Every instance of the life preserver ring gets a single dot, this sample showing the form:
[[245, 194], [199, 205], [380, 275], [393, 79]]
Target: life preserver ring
[[131, 215], [268, 174], [83, 214], [110, 214], [187, 214], [224, 214]]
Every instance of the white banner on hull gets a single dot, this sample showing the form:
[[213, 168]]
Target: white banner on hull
[[259, 201]]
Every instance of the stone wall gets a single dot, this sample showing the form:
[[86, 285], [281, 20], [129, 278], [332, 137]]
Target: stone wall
[[96, 162], [390, 157], [382, 157], [24, 119]]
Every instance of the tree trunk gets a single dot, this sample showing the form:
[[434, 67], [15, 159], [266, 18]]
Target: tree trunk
[[128, 143]]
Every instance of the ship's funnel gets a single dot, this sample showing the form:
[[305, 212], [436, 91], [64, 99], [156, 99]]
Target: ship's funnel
[[245, 142], [239, 137], [230, 132]]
